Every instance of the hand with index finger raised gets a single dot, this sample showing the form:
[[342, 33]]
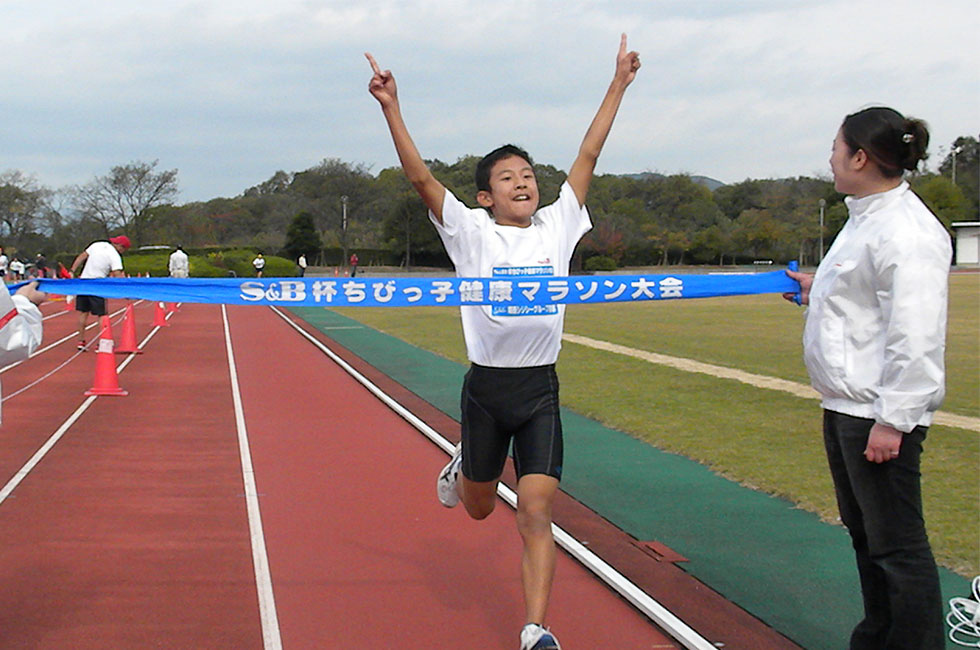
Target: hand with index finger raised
[[627, 62], [382, 84]]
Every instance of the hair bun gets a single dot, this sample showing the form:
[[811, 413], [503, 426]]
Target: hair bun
[[916, 140]]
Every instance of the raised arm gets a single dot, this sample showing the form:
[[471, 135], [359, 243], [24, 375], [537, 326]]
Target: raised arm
[[383, 88], [580, 175], [79, 261]]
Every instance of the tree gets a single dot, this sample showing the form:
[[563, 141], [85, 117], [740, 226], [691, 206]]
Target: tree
[[302, 237], [943, 198], [322, 188], [759, 233], [407, 227], [734, 199], [23, 207], [277, 184], [123, 198], [604, 240], [713, 242], [967, 171]]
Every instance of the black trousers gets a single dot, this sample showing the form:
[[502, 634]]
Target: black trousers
[[881, 505]]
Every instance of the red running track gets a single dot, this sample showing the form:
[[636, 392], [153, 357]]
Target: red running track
[[133, 530]]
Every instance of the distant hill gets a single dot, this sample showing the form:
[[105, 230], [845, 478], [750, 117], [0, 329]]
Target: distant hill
[[710, 183]]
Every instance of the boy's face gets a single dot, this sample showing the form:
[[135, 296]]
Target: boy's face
[[513, 196]]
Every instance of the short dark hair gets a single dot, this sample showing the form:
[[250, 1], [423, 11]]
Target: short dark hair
[[483, 167], [894, 142]]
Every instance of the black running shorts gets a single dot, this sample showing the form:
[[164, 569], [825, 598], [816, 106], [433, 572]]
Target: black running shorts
[[91, 304], [501, 404]]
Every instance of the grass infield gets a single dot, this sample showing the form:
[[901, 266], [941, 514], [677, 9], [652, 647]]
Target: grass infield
[[763, 439]]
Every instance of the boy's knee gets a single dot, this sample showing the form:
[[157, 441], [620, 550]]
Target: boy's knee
[[532, 519], [479, 508], [479, 499]]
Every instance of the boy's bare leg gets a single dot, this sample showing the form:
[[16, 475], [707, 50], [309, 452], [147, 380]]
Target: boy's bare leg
[[535, 496], [479, 499]]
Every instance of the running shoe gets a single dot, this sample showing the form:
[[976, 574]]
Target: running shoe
[[446, 483], [81, 345], [535, 637]]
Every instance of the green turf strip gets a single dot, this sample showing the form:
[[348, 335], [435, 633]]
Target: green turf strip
[[778, 562]]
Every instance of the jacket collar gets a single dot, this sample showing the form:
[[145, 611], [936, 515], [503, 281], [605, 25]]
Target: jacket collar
[[859, 209]]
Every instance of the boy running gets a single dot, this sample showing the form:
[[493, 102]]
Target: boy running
[[511, 389]]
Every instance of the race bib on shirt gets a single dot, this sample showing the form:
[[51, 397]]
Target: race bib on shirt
[[523, 310]]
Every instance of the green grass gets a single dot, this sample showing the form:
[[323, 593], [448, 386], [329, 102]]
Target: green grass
[[763, 439]]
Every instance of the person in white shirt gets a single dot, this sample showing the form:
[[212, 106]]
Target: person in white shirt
[[511, 389], [873, 343], [102, 259], [17, 269], [20, 323], [259, 264], [301, 263], [4, 265], [179, 265]]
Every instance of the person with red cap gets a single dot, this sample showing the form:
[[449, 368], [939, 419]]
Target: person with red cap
[[102, 259]]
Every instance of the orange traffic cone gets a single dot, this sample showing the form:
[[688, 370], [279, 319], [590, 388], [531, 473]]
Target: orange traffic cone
[[160, 316], [106, 379], [127, 342], [105, 328]]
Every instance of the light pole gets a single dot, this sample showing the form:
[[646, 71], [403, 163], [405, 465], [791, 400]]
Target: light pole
[[823, 204], [343, 204], [955, 151]]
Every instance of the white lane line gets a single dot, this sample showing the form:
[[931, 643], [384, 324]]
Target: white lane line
[[760, 381], [645, 603], [271, 638], [45, 448], [57, 435]]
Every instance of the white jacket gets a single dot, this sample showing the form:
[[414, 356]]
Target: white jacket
[[20, 327], [179, 264], [875, 332]]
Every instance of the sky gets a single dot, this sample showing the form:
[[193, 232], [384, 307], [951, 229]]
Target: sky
[[229, 92]]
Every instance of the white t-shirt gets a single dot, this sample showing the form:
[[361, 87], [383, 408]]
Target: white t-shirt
[[3, 262], [495, 335], [259, 263], [103, 258]]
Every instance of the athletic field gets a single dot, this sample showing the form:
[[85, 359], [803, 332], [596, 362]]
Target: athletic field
[[267, 482]]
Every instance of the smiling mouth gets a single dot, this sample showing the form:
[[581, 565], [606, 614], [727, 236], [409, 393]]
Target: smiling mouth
[[522, 197]]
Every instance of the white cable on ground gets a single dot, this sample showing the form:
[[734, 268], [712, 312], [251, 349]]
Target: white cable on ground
[[54, 370], [42, 377], [964, 618], [11, 485], [58, 342]]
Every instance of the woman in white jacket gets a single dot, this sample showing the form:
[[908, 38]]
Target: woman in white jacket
[[20, 322], [874, 344]]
